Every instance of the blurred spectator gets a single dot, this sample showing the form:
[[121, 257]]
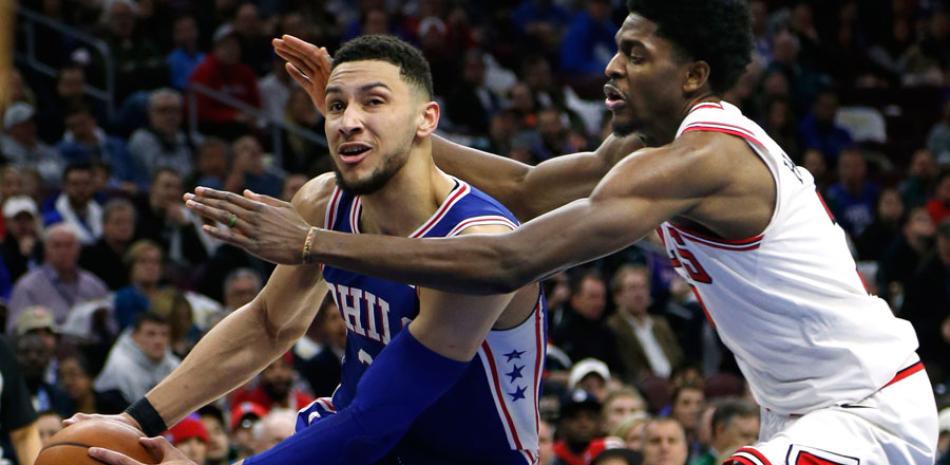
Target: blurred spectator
[[183, 333], [816, 164], [48, 423], [17, 417], [588, 42], [524, 105], [646, 344], [938, 140], [186, 55], [59, 283], [33, 357], [144, 262], [255, 45], [302, 154], [630, 430], [138, 62], [163, 218], [163, 143], [664, 442], [76, 205], [927, 305], [582, 332], [105, 258], [18, 90], [541, 20], [734, 424], [240, 287], [275, 387], [618, 457], [19, 144], [69, 92], [219, 446], [139, 360], [854, 197], [75, 377], [85, 142], [22, 247], [880, 234], [591, 375], [471, 104], [556, 138], [943, 444], [248, 170], [819, 131], [292, 184], [901, 259], [222, 71], [619, 405], [688, 400], [275, 89], [244, 415], [780, 125], [211, 168], [921, 178], [190, 436], [39, 321], [276, 426], [939, 205], [545, 443], [925, 61], [578, 429], [323, 371]]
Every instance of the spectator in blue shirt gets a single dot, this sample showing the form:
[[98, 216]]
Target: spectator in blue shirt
[[588, 43], [85, 142], [819, 131], [853, 198], [183, 59]]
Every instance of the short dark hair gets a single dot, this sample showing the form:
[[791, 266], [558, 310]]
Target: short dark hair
[[728, 409], [78, 166], [148, 317], [718, 32], [413, 67]]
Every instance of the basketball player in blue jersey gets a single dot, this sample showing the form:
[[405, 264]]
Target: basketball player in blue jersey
[[459, 378]]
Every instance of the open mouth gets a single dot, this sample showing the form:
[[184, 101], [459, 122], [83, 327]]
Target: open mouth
[[353, 152], [614, 98]]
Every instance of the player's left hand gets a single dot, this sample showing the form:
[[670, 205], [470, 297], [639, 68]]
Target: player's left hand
[[262, 225], [159, 447]]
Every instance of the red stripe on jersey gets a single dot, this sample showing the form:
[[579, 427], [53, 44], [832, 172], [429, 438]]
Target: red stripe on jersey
[[807, 458], [459, 192], [755, 453], [821, 198], [706, 105], [735, 459], [736, 132], [703, 306], [905, 373], [501, 394], [332, 209], [539, 339], [707, 237]]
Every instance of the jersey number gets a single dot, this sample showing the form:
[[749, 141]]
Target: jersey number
[[682, 257]]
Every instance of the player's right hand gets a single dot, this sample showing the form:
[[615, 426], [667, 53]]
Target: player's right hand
[[121, 418], [158, 446], [308, 64]]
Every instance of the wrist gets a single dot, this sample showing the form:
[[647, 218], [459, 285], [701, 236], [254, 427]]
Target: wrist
[[308, 255], [143, 412]]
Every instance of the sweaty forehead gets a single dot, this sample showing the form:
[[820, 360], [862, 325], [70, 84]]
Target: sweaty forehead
[[353, 75]]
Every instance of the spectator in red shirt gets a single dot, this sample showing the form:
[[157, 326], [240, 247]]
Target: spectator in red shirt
[[275, 387], [579, 428], [939, 205], [222, 71]]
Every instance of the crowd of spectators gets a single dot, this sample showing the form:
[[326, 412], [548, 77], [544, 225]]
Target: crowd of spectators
[[107, 281]]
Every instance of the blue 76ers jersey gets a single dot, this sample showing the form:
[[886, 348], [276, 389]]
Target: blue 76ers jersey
[[491, 415]]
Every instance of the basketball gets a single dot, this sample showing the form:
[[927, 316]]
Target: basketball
[[69, 446]]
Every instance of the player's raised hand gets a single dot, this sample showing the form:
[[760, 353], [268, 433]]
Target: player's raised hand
[[262, 225], [308, 64], [158, 446]]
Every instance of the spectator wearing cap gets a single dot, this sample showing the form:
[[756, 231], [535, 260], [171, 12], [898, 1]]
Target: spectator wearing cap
[[21, 146], [59, 284], [927, 305], [190, 436], [85, 142], [140, 359], [664, 442], [582, 333], [162, 144], [186, 55], [33, 357], [21, 248], [219, 445], [76, 204], [244, 415], [591, 375], [275, 387], [222, 71], [105, 257], [579, 429], [646, 343], [276, 426]]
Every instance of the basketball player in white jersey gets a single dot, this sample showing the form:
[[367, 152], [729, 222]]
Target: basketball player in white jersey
[[835, 372]]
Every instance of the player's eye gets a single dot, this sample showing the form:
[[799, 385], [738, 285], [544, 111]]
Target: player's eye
[[375, 102], [335, 106]]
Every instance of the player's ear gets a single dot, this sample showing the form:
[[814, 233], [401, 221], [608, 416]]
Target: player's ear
[[697, 75], [428, 119]]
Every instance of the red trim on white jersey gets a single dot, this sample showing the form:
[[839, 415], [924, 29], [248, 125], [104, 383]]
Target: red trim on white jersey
[[738, 245], [454, 197], [482, 221], [803, 455], [749, 455], [704, 105], [539, 339], [724, 128], [499, 396], [702, 305], [919, 366], [327, 403], [332, 208]]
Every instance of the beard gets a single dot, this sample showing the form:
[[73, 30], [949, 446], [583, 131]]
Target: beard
[[379, 177]]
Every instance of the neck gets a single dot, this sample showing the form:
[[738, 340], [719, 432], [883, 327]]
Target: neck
[[666, 122], [66, 274], [415, 192], [78, 206], [639, 318], [117, 246]]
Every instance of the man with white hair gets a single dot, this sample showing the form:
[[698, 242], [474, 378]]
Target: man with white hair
[[162, 143], [276, 426], [59, 284]]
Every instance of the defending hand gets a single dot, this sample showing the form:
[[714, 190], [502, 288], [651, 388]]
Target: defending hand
[[262, 225], [159, 447], [308, 64]]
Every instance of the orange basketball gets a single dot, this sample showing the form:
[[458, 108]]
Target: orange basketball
[[69, 446]]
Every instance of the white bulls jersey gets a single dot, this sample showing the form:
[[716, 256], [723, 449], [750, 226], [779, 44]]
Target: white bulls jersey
[[789, 302]]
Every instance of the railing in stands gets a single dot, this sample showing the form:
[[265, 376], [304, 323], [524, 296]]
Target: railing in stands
[[276, 127], [29, 19]]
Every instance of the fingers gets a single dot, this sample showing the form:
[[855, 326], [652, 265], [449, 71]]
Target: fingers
[[111, 457], [229, 197], [161, 449], [230, 236], [77, 418], [211, 209], [309, 65], [265, 199], [298, 76]]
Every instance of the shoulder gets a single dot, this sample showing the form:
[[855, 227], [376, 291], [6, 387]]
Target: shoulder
[[312, 199]]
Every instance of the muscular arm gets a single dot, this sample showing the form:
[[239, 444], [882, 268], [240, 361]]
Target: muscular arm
[[529, 191], [635, 197]]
